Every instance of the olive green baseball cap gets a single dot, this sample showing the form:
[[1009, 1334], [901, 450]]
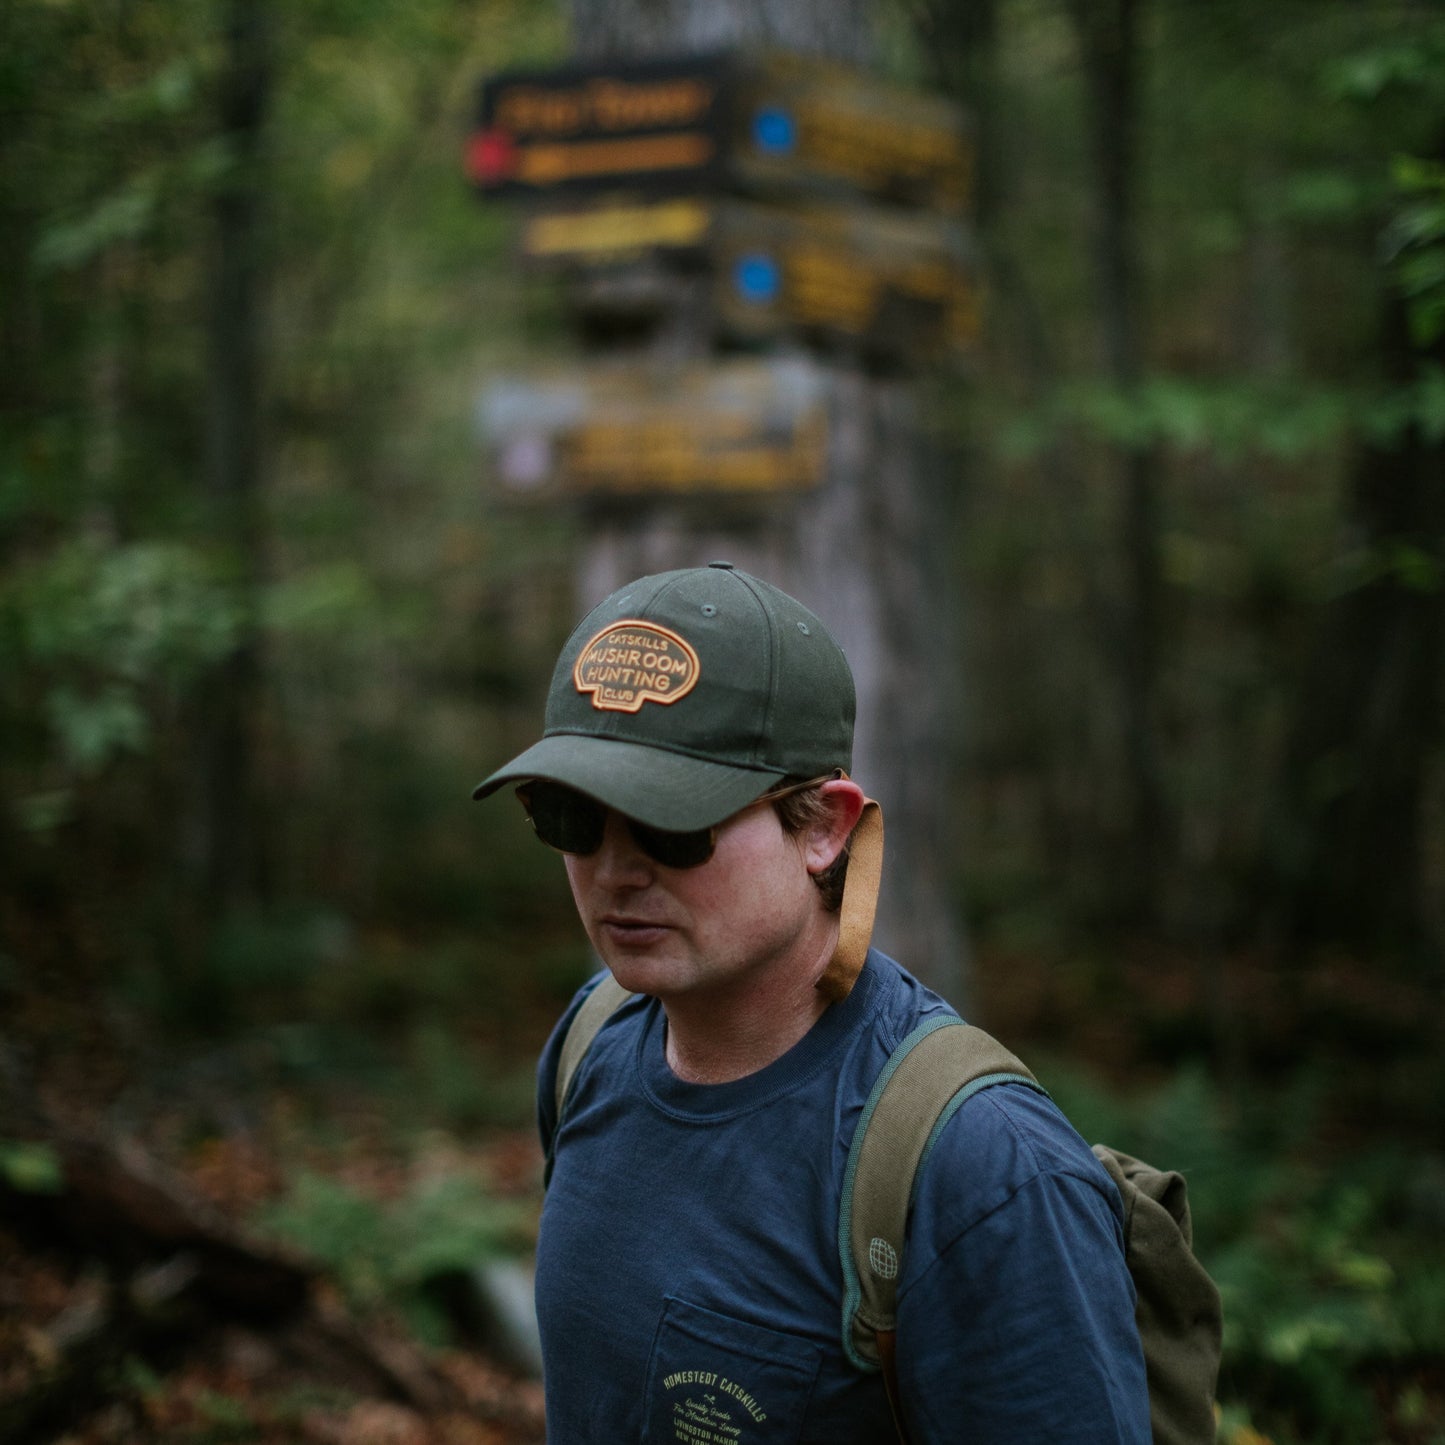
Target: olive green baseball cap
[[686, 694]]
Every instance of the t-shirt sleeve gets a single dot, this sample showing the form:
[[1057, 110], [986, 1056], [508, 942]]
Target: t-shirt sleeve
[[1016, 1310]]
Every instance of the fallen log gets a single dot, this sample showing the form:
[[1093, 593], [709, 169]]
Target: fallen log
[[114, 1202], [178, 1270]]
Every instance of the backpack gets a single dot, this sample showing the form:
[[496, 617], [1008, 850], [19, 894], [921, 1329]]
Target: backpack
[[940, 1066]]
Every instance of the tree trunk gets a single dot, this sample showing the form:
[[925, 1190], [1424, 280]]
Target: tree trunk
[[227, 843], [1367, 724], [623, 29], [1108, 39], [865, 550]]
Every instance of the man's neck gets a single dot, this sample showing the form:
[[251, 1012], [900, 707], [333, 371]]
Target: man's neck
[[714, 1039]]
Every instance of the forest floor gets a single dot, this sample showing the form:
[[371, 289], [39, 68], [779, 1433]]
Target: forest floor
[[148, 1293], [116, 1328], [81, 1363]]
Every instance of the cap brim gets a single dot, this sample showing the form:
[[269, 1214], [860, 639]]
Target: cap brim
[[660, 788]]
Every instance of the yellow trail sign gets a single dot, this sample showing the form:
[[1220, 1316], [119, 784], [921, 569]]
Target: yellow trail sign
[[745, 426]]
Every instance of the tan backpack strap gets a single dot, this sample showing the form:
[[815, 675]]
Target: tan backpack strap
[[597, 1008], [929, 1076], [860, 902], [886, 1342]]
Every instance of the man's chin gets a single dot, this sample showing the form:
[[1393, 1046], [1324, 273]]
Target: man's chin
[[641, 974]]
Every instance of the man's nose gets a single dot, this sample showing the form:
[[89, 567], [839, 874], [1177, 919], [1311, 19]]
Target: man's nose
[[620, 862]]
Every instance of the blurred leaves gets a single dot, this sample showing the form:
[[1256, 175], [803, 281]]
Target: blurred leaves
[[1411, 62], [142, 611], [1415, 249], [105, 634], [387, 1253], [30, 1168], [1325, 1262], [1228, 421]]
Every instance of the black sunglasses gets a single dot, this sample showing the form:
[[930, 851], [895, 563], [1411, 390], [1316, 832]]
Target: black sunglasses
[[571, 822]]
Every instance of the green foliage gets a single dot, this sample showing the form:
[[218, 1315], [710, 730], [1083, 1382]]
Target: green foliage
[[1226, 420], [1285, 184], [140, 612], [386, 1254], [374, 570], [30, 1168], [1415, 245], [1328, 1265], [100, 641], [456, 1085]]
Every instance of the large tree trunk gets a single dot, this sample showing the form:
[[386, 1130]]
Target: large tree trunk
[[227, 842], [1108, 38], [621, 29], [1368, 725], [865, 551]]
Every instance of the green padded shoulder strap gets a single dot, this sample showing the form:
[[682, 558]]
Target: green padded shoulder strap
[[597, 1008], [929, 1076]]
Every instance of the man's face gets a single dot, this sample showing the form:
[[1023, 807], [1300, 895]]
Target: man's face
[[750, 910]]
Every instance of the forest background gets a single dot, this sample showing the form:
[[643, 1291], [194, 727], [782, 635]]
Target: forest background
[[264, 621]]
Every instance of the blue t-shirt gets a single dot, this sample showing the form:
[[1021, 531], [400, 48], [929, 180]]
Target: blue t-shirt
[[689, 1287]]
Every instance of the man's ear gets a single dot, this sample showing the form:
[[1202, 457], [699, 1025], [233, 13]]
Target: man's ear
[[825, 839]]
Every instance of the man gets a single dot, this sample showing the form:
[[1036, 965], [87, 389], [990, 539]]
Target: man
[[694, 773]]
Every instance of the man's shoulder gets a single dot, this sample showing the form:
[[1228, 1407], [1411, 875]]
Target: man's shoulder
[[898, 1002], [549, 1061], [1008, 1123], [1023, 1124], [1006, 1142], [1001, 1137]]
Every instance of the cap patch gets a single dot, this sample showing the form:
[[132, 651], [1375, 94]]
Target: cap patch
[[630, 662]]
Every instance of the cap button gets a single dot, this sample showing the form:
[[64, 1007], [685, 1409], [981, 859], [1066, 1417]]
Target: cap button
[[726, 566]]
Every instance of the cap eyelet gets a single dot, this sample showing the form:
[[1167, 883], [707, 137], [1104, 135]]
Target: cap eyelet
[[708, 610], [803, 628]]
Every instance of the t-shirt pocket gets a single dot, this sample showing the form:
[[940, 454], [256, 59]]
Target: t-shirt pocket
[[714, 1380]]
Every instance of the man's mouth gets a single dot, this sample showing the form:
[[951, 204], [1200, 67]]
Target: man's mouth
[[629, 927]]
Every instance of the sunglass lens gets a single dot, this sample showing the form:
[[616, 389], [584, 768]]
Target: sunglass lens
[[572, 822], [565, 819], [674, 850]]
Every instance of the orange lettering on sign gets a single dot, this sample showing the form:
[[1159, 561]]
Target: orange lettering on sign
[[541, 165], [606, 103]]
